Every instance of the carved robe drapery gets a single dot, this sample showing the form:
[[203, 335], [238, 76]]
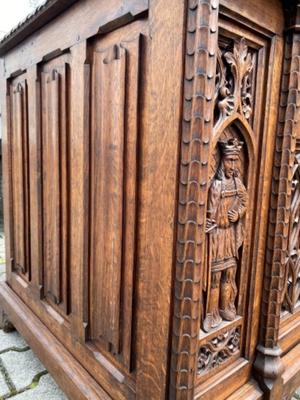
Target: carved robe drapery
[[226, 238], [227, 203]]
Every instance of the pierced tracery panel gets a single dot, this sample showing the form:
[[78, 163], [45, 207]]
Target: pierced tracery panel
[[291, 295], [218, 350]]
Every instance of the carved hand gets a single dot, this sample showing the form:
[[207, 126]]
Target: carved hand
[[233, 215], [209, 224]]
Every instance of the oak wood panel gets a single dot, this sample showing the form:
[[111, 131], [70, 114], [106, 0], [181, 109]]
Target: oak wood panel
[[118, 384], [266, 126], [224, 383], [69, 374], [107, 211], [20, 176], [291, 375], [35, 179], [55, 158], [289, 333], [79, 189], [93, 119], [102, 17], [6, 170], [156, 210], [115, 117], [270, 10], [249, 391]]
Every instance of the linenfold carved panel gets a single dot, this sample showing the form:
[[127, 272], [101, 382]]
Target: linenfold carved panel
[[20, 176], [55, 136], [115, 76]]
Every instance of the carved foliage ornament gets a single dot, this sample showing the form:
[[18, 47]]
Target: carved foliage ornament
[[233, 83], [218, 350]]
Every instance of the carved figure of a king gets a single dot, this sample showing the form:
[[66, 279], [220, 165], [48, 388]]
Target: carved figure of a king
[[227, 205]]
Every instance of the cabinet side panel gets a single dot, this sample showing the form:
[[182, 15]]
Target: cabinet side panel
[[20, 170], [115, 73], [55, 150]]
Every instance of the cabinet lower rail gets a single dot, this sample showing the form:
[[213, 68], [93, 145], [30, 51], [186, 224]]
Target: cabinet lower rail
[[68, 373]]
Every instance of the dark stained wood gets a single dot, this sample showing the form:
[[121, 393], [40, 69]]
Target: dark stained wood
[[151, 196]]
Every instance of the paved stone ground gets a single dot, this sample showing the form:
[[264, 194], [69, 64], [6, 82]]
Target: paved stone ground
[[296, 395], [22, 376]]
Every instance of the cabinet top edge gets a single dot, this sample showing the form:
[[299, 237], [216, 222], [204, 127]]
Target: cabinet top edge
[[38, 18]]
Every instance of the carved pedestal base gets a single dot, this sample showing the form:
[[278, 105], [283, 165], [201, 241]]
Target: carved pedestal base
[[268, 369]]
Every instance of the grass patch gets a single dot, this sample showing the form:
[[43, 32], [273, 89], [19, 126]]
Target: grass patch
[[17, 349], [7, 379], [34, 383]]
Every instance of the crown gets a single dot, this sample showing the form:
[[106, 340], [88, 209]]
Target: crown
[[231, 146]]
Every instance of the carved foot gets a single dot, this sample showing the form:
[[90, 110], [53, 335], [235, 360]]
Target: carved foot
[[211, 321], [229, 314], [268, 370], [5, 324]]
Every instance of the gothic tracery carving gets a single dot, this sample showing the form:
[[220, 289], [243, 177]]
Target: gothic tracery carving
[[292, 279], [219, 349]]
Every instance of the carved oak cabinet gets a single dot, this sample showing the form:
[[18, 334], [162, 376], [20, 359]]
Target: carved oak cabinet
[[151, 164]]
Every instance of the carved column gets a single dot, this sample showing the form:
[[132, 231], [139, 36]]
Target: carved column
[[268, 364], [197, 124]]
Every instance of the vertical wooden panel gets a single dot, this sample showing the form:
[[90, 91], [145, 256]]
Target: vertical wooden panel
[[108, 193], [131, 125], [5, 96], [18, 189], [20, 180], [55, 182], [35, 177], [51, 184], [79, 189], [115, 125], [162, 81]]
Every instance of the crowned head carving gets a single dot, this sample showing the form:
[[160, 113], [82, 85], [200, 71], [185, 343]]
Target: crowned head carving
[[230, 150]]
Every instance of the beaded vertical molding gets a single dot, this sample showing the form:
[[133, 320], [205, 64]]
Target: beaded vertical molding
[[197, 126]]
